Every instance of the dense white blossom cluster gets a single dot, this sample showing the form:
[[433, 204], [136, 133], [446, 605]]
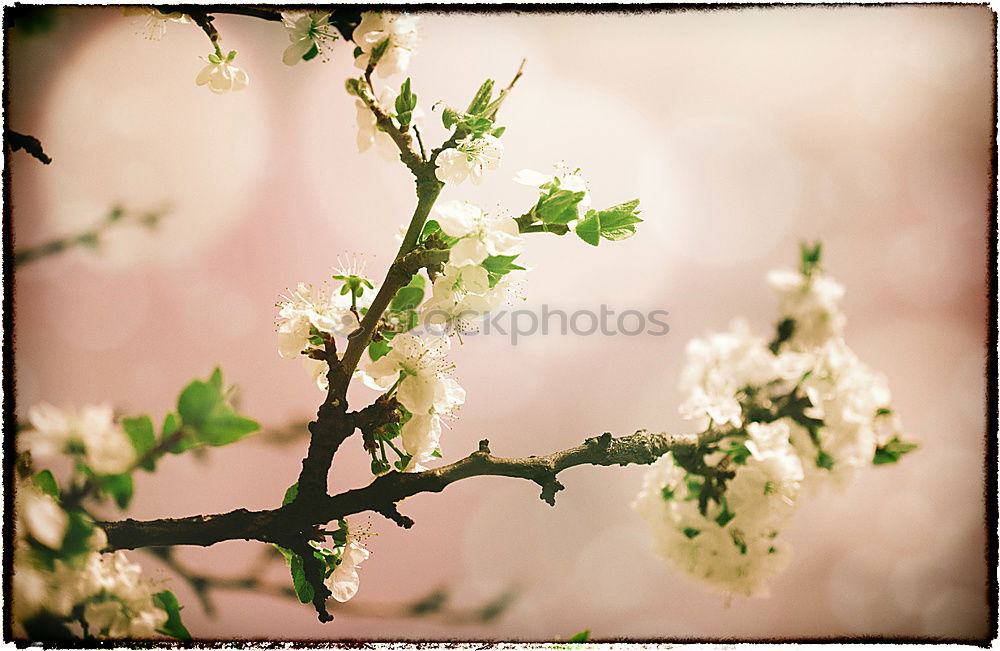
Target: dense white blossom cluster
[[104, 594], [90, 434], [799, 414]]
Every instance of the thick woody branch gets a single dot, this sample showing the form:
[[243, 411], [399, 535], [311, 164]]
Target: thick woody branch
[[301, 516]]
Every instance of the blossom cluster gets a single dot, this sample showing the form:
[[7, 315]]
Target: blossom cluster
[[59, 573], [798, 414], [90, 434]]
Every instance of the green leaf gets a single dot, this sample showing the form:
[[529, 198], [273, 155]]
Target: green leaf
[[449, 117], [167, 602], [311, 54], [498, 266], [430, 227], [409, 297], [140, 430], [208, 418], [482, 98], [196, 402], [290, 494], [825, 461], [47, 483], [358, 52], [499, 131], [171, 425], [378, 51], [589, 228], [558, 206], [667, 493], [119, 487], [892, 451], [690, 532], [77, 538], [225, 426], [582, 636], [726, 516], [303, 589], [378, 349]]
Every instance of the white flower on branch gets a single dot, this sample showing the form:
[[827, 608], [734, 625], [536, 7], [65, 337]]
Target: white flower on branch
[[420, 367], [310, 310], [310, 32], [156, 22], [106, 448], [220, 75], [343, 581], [480, 234], [118, 600], [39, 517], [461, 295], [469, 159], [390, 37]]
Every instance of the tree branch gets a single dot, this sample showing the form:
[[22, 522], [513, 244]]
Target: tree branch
[[89, 238], [275, 526], [29, 144]]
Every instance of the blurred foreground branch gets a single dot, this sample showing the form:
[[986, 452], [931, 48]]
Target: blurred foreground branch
[[90, 238], [434, 605]]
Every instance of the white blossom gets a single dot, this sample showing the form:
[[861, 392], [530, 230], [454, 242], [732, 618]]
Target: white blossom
[[469, 159], [460, 295], [221, 76], [803, 415], [420, 367], [312, 308], [343, 581], [375, 28], [107, 449], [156, 21], [480, 235], [307, 31], [42, 518]]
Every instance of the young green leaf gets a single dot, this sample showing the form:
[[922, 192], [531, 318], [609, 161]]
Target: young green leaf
[[582, 636], [498, 266], [409, 297], [892, 451], [377, 349], [482, 98], [119, 487], [140, 430], [167, 602], [559, 206], [290, 494], [47, 483]]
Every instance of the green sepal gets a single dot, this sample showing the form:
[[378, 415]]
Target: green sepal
[[311, 54]]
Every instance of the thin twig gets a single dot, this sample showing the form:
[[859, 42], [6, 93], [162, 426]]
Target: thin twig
[[90, 238]]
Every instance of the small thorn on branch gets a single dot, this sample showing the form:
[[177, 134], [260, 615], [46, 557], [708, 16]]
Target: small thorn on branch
[[391, 512]]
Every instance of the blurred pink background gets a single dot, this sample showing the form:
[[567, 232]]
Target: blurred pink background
[[743, 132]]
